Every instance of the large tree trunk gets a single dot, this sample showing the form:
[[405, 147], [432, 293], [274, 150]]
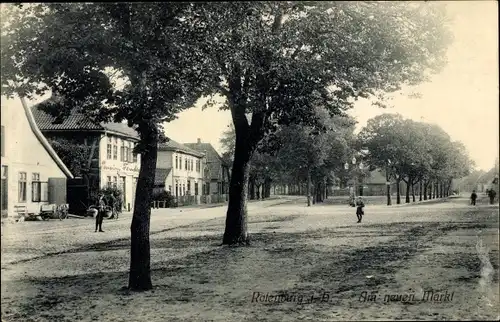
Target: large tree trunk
[[252, 189], [268, 188], [236, 217], [413, 192], [308, 188], [319, 192], [398, 195], [313, 193], [426, 184], [408, 185], [387, 179], [140, 257], [420, 186], [325, 189]]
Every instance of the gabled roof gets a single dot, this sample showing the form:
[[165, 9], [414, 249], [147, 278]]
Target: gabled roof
[[211, 154], [172, 145], [214, 160], [76, 121], [161, 176], [41, 138]]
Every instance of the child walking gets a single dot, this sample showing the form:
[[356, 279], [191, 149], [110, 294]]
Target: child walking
[[359, 209]]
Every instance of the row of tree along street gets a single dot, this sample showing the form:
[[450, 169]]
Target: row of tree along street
[[419, 154], [280, 65]]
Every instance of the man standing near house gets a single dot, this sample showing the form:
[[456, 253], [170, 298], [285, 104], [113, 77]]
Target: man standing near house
[[100, 214]]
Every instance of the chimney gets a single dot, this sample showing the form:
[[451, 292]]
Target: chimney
[[199, 140]]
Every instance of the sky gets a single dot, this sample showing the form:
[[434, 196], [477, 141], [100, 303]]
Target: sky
[[462, 99]]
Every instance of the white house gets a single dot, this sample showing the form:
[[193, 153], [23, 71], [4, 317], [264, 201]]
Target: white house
[[32, 173], [180, 170]]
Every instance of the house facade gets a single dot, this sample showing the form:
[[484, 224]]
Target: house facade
[[179, 170], [32, 172], [217, 179], [112, 162]]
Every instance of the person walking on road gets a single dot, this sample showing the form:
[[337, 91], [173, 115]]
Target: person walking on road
[[473, 198], [359, 209], [100, 213], [492, 194]]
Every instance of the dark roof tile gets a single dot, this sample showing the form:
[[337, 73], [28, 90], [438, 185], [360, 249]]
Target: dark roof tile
[[77, 122], [172, 145]]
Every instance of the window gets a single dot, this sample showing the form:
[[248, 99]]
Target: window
[[176, 162], [115, 152], [109, 182], [130, 152], [180, 162], [122, 152], [36, 188], [115, 182], [109, 151], [189, 185], [3, 140], [134, 155], [183, 189], [197, 165], [185, 164], [22, 186], [196, 188]]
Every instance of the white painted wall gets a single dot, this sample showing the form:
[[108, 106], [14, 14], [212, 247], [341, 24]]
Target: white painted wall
[[23, 153], [118, 169], [180, 175]]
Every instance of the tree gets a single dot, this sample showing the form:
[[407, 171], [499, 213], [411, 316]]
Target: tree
[[315, 153], [75, 156], [277, 60], [71, 49], [385, 141], [227, 141], [419, 153]]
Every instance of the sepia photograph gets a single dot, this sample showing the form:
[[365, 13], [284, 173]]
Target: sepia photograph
[[250, 161]]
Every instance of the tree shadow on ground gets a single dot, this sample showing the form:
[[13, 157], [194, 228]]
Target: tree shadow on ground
[[196, 277]]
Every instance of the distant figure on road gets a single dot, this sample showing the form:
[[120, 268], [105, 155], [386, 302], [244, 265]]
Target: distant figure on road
[[492, 194], [473, 198], [359, 209], [100, 213]]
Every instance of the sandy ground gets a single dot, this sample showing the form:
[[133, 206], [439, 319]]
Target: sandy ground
[[312, 264]]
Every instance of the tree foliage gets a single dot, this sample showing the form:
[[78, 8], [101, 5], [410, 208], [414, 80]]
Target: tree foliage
[[75, 156], [413, 151]]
